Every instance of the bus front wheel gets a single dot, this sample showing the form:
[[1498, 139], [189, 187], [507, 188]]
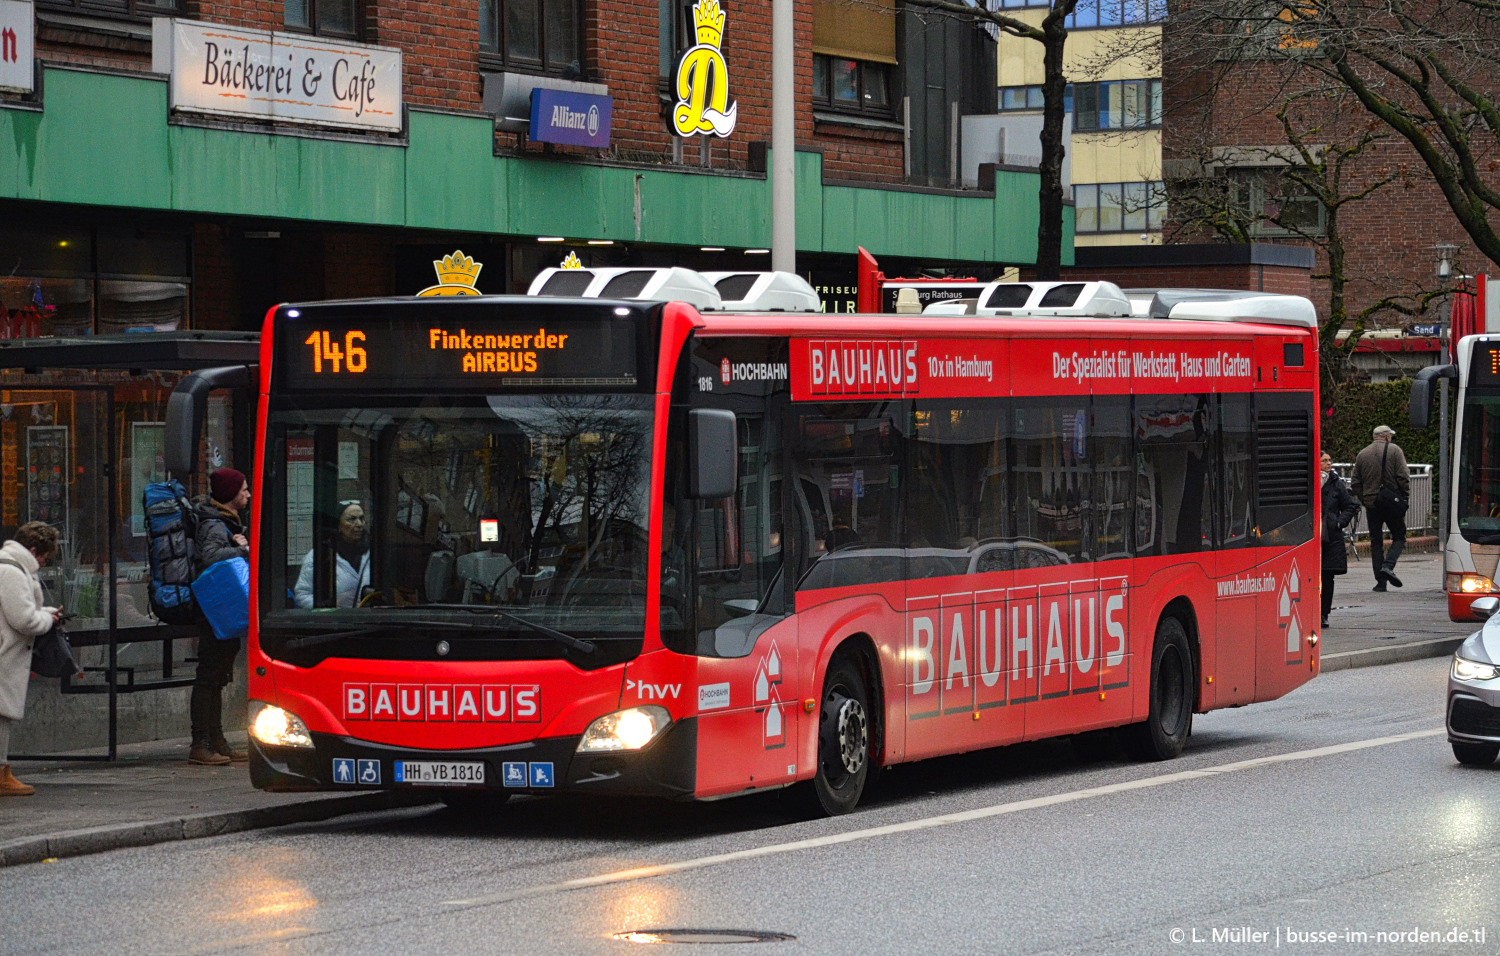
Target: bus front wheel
[[1164, 732], [844, 733]]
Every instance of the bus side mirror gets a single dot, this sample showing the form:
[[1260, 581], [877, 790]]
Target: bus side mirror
[[187, 406], [713, 453], [1420, 408]]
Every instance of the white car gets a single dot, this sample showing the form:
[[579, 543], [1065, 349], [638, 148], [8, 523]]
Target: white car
[[1474, 691]]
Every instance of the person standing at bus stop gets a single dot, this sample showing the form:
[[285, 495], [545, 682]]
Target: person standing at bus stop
[[1339, 508], [1382, 464], [221, 536]]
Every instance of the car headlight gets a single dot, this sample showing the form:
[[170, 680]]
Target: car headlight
[[275, 727], [1465, 669], [629, 729]]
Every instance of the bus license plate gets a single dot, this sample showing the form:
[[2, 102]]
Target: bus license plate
[[439, 773]]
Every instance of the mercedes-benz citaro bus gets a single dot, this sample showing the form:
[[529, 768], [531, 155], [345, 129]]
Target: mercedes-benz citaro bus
[[630, 542]]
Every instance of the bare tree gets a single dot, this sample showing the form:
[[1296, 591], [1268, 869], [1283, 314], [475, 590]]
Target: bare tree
[[1052, 34], [1424, 70]]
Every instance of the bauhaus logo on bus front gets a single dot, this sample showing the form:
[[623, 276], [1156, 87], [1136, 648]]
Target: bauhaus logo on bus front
[[464, 703], [268, 75]]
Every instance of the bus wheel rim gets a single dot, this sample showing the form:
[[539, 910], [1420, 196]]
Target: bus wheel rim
[[853, 735]]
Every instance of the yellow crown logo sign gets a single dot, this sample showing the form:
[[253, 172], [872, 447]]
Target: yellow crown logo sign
[[710, 22], [456, 274], [572, 262]]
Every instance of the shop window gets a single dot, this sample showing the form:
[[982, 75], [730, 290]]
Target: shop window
[[327, 18], [37, 308], [532, 35]]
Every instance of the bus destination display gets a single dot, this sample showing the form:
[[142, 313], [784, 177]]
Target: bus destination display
[[1484, 364], [384, 354]]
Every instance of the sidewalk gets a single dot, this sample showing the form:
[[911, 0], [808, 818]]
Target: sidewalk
[[152, 795]]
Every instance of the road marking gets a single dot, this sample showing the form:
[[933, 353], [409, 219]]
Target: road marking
[[942, 820]]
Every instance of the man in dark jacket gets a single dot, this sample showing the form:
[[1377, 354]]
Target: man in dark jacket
[[221, 536], [1380, 462], [1339, 508]]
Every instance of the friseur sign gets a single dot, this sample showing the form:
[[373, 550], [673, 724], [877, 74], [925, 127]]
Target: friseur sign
[[577, 119], [287, 77]]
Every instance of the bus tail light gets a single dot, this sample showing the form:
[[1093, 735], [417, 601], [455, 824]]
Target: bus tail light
[[629, 729], [275, 727], [1467, 582]]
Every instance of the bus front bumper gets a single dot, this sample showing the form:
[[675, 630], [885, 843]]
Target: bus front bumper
[[665, 768]]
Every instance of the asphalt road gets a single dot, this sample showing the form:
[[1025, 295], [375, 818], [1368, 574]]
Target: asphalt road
[[1337, 810]]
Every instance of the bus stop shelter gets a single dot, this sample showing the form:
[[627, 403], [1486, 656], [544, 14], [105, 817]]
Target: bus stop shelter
[[82, 432]]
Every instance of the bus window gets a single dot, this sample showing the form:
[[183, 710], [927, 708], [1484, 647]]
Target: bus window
[[1051, 472], [1174, 461], [956, 499], [1113, 493], [1236, 443], [849, 481]]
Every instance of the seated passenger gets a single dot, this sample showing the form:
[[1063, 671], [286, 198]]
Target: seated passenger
[[352, 563]]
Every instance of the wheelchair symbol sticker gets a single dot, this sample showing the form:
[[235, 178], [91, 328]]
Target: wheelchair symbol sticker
[[369, 771]]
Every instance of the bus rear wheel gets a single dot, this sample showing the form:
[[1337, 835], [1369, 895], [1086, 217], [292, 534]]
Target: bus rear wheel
[[1164, 732], [844, 733]]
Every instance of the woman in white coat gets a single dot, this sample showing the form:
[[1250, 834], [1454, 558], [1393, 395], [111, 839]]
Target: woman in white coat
[[351, 564], [23, 618]]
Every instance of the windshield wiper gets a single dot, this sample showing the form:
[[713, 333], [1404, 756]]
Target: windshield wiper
[[297, 643], [565, 639]]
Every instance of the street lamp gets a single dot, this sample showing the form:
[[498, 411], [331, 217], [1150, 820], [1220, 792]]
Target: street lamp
[[1445, 253]]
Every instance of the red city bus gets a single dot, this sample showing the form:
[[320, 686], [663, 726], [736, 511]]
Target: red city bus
[[632, 547]]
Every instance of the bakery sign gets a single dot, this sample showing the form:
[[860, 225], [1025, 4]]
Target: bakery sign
[[285, 77], [17, 47]]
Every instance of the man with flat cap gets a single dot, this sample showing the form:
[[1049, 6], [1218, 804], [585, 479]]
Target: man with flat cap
[[1382, 464]]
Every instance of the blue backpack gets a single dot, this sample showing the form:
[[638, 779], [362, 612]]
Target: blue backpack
[[172, 534]]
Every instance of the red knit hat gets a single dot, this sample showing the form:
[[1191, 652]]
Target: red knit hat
[[224, 484]]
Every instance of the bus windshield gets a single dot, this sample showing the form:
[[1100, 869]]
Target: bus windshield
[[1478, 504], [420, 513]]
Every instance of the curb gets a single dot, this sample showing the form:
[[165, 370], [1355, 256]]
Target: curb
[[99, 839], [1395, 654]]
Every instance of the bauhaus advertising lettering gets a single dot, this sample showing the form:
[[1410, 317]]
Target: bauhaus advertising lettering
[[282, 76]]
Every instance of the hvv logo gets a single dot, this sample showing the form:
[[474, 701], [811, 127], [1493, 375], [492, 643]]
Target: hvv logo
[[647, 691]]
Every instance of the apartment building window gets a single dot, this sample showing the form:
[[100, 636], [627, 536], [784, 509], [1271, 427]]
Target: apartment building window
[[1115, 13], [1117, 104], [1118, 207], [854, 56], [116, 8], [532, 35], [325, 18], [1014, 98], [1274, 203], [855, 85]]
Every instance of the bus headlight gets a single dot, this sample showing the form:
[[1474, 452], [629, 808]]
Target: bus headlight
[[1465, 669], [1467, 582], [275, 727], [629, 729]]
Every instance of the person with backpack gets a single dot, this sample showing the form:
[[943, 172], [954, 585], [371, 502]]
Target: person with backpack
[[23, 618], [220, 536]]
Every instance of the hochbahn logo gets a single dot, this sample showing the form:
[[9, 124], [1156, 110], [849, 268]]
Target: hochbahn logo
[[731, 372]]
